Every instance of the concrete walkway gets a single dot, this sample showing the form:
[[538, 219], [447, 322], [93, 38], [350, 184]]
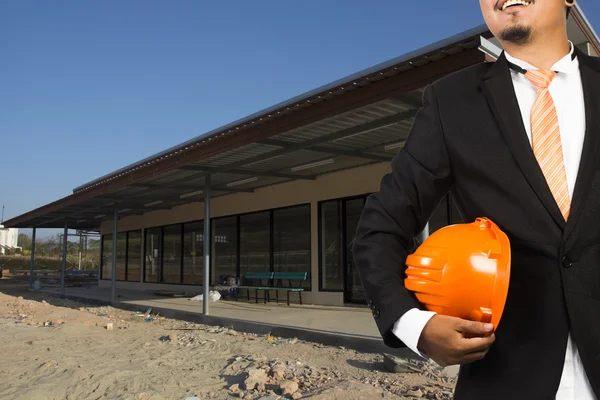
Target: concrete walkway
[[351, 327]]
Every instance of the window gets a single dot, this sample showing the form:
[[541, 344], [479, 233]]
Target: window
[[121, 255], [224, 247], [153, 257], [291, 240], [331, 246], [134, 255], [193, 253], [106, 272], [171, 267], [255, 243]]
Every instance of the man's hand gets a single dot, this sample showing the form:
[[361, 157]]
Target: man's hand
[[449, 340]]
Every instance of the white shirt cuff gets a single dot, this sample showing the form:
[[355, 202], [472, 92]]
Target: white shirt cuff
[[409, 327]]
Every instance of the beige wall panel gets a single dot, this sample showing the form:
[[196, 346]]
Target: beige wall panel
[[340, 184]]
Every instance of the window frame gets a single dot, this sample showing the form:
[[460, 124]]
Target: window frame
[[126, 258]]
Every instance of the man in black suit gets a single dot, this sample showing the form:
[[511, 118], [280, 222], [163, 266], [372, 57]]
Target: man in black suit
[[517, 141]]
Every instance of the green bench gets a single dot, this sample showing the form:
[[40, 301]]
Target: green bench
[[277, 279], [254, 276]]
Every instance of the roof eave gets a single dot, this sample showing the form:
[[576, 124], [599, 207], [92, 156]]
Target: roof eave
[[586, 27]]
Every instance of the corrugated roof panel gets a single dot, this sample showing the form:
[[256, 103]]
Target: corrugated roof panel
[[340, 163], [343, 121], [287, 160], [373, 138], [173, 175], [221, 179], [238, 154]]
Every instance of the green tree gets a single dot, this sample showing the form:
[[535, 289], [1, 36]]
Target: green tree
[[24, 241]]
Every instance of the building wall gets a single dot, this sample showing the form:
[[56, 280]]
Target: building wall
[[8, 238], [346, 183]]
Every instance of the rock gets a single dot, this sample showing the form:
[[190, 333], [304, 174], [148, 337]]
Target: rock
[[234, 388], [415, 393], [256, 377], [270, 397], [288, 387], [297, 395], [399, 365], [278, 372], [172, 338]]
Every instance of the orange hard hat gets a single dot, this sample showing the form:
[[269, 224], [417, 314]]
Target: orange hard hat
[[463, 271]]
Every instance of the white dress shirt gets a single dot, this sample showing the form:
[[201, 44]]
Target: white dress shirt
[[567, 93]]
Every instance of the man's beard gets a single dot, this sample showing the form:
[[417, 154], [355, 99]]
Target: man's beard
[[517, 34]]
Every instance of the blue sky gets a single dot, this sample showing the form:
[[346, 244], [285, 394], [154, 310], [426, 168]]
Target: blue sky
[[87, 87]]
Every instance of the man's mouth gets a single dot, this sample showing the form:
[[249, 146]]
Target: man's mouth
[[513, 3]]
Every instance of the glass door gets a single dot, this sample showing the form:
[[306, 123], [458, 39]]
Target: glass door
[[353, 290]]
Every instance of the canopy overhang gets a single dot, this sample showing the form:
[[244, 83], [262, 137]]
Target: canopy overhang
[[356, 121]]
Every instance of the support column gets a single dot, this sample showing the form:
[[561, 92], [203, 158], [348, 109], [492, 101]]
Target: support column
[[113, 287], [143, 256], [63, 266], [32, 263], [206, 283], [80, 248]]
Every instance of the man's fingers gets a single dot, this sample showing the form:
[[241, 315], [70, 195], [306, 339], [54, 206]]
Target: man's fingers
[[474, 345], [472, 357], [469, 328]]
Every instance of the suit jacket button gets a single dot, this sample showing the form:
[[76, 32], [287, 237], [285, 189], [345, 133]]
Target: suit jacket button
[[567, 262]]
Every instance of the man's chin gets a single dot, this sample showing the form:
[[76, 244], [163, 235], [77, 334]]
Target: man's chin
[[516, 34]]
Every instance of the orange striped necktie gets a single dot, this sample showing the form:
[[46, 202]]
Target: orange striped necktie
[[545, 139]]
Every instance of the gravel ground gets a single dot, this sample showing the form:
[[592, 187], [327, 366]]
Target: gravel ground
[[60, 349]]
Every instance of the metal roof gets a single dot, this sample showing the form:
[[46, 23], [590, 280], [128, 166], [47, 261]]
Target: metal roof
[[408, 61], [355, 121]]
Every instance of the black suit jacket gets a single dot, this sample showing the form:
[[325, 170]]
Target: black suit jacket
[[468, 139]]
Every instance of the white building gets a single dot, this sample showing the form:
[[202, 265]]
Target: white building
[[8, 238]]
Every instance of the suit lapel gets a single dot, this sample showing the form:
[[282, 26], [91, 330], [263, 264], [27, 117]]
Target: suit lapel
[[499, 91], [590, 80]]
